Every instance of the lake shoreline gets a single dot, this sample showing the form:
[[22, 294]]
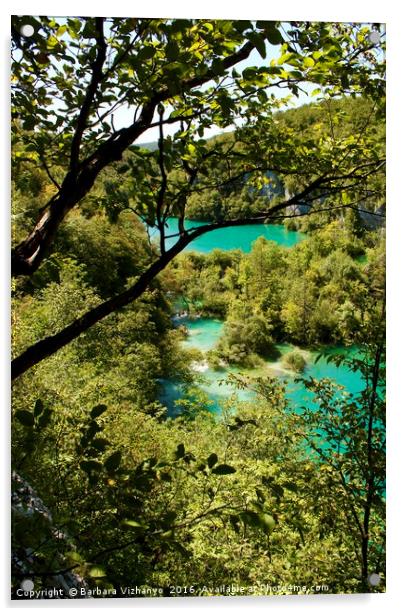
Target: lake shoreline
[[225, 239], [203, 334]]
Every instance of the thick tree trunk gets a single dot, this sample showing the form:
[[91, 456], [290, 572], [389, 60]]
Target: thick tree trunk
[[46, 347], [29, 254], [370, 486]]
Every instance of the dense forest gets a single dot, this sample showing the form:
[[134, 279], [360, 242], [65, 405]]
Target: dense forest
[[110, 489]]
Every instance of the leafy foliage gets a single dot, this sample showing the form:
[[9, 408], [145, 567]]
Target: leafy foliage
[[295, 361], [197, 499]]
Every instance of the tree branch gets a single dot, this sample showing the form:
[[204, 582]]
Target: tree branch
[[90, 94], [48, 346], [28, 255], [162, 189]]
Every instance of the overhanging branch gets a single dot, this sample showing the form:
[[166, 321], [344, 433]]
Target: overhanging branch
[[29, 254], [96, 78], [50, 345]]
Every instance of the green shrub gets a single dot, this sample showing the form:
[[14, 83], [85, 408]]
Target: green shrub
[[294, 361]]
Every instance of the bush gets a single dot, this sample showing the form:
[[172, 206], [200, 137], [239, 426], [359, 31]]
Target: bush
[[244, 338], [215, 361], [294, 361]]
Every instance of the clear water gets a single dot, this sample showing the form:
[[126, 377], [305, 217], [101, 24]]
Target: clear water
[[203, 335], [241, 238]]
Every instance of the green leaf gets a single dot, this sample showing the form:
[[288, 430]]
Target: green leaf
[[74, 557], [191, 149], [132, 524], [98, 410], [223, 469], [241, 25], [273, 34], [168, 534], [112, 463], [316, 91], [267, 522], [259, 43], [273, 70], [212, 460], [60, 31], [97, 572], [25, 418], [52, 41], [249, 73], [308, 62]]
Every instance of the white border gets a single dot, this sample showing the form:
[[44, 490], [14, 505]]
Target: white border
[[342, 10]]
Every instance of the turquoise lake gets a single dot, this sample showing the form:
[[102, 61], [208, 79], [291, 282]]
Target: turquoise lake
[[204, 333], [232, 238]]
